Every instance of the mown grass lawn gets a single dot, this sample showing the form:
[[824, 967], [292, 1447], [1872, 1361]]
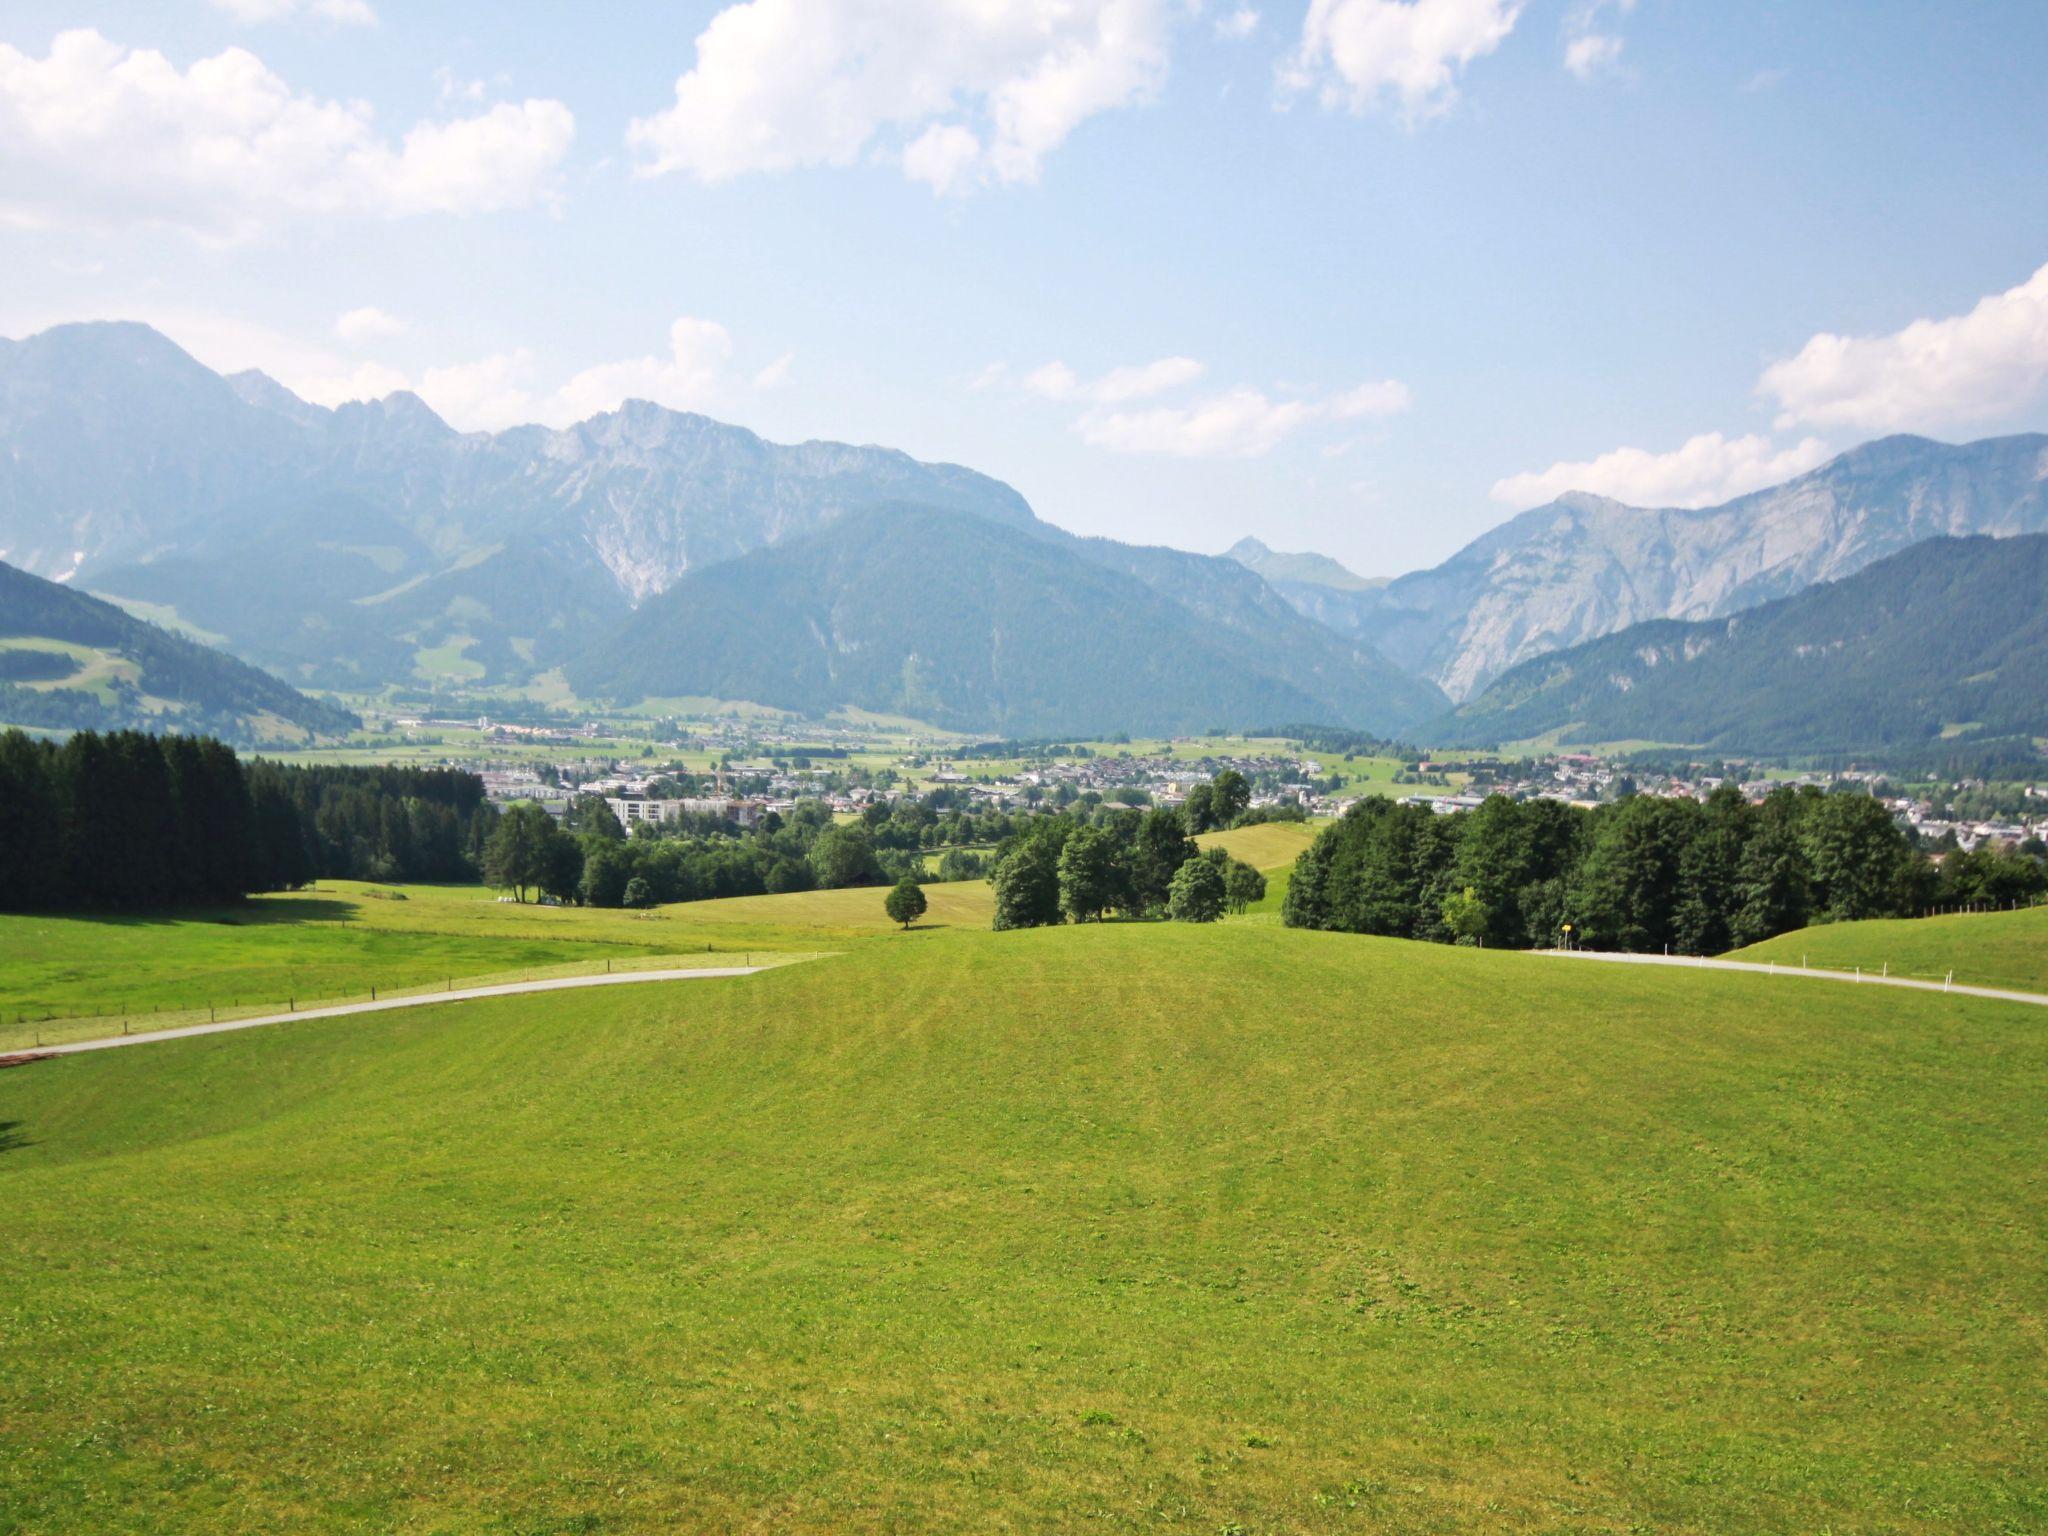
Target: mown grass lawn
[[342, 938], [1123, 1227], [1984, 949]]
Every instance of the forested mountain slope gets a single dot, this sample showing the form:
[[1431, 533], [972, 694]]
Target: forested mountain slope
[[1585, 566], [966, 623], [1945, 640], [71, 661]]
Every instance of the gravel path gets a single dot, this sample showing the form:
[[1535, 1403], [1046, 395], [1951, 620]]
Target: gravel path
[[1866, 978], [459, 994]]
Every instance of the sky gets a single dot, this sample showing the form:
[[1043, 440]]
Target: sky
[[1358, 276]]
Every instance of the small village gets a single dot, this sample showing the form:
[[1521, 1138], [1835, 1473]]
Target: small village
[[760, 770]]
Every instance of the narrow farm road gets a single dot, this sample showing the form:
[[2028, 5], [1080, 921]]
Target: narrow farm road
[[458, 995], [1864, 978]]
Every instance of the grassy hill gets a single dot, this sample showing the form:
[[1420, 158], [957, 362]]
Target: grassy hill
[[69, 661], [1151, 1227], [1983, 949]]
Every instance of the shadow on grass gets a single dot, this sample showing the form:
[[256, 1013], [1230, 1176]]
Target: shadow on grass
[[256, 914], [11, 1137]]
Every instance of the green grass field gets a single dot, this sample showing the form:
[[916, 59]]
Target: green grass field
[[1984, 949], [67, 979], [1125, 1227]]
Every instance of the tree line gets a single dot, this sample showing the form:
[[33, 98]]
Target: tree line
[[1140, 864], [128, 821], [1641, 874]]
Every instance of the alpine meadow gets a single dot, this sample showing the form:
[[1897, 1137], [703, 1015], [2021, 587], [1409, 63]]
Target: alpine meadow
[[833, 767]]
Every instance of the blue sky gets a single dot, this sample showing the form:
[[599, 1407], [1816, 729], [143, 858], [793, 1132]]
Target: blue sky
[[1363, 276]]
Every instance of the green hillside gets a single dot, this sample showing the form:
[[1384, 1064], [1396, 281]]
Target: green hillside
[[69, 661], [1125, 1227], [1942, 643], [1982, 949], [968, 624]]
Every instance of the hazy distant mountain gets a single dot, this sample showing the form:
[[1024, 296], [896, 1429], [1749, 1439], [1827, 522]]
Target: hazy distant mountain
[[1947, 640], [1584, 566], [1306, 569], [974, 624], [70, 661], [373, 541]]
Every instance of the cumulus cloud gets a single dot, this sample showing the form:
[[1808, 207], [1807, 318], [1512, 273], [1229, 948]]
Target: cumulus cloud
[[1388, 397], [1586, 57], [960, 96], [367, 324], [1590, 52], [1360, 53], [1707, 470], [101, 137], [1978, 366], [1238, 24], [1239, 423], [1056, 381], [354, 13], [506, 389], [687, 378]]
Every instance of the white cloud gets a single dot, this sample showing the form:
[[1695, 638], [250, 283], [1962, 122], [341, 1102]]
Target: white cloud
[[1238, 24], [1979, 366], [944, 157], [1388, 397], [365, 381], [1707, 470], [1588, 51], [961, 95], [1240, 424], [1361, 52], [354, 13], [1587, 56], [687, 379], [451, 87], [1056, 381], [506, 389], [367, 324], [487, 395], [100, 137]]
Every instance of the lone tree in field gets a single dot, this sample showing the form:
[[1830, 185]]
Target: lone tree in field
[[1197, 893], [905, 902]]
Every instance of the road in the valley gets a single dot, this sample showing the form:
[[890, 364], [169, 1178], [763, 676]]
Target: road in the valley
[[1864, 978], [457, 995]]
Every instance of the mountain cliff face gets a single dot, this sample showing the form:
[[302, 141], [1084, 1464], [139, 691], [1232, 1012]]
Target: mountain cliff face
[[1585, 566], [1944, 642], [972, 624], [373, 541], [373, 544]]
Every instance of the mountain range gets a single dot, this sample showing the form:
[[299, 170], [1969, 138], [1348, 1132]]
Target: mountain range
[[974, 624], [69, 661], [1584, 566], [372, 544], [647, 552], [1946, 641]]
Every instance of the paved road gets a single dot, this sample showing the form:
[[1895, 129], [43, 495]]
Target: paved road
[[460, 994], [1868, 978]]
